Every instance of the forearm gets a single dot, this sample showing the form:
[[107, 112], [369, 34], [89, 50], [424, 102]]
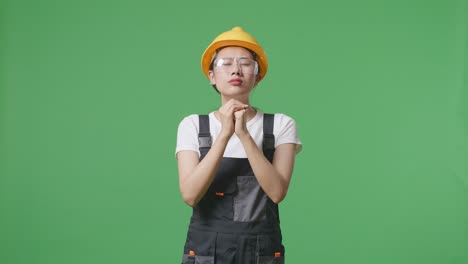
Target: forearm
[[197, 183], [274, 185]]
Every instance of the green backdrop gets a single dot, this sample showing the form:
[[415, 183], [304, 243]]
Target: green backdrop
[[92, 92]]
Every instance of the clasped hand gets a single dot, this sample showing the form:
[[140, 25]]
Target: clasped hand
[[233, 118]]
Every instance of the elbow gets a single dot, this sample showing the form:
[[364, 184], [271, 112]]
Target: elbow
[[188, 196], [278, 197], [277, 200], [280, 192], [189, 200]]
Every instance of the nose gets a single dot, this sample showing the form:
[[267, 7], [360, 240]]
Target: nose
[[236, 69]]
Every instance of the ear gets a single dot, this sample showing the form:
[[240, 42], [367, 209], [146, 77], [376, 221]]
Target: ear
[[212, 78], [258, 79]]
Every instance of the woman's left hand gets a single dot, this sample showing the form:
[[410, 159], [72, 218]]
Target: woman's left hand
[[240, 124]]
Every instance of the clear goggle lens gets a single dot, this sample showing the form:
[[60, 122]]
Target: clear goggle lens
[[246, 65]]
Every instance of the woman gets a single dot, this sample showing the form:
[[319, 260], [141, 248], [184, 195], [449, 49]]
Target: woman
[[235, 164]]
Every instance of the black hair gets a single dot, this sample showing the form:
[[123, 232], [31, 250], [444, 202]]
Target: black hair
[[254, 55]]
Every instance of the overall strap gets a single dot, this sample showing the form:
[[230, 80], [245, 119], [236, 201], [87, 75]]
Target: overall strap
[[204, 135], [269, 151], [268, 137]]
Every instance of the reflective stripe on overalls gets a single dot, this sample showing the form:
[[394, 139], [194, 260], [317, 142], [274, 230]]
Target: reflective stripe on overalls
[[235, 222]]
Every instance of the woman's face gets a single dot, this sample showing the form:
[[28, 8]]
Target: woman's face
[[234, 71]]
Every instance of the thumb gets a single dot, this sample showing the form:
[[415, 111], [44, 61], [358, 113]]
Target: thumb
[[239, 114]]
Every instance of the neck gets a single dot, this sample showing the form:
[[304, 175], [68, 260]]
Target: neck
[[243, 99]]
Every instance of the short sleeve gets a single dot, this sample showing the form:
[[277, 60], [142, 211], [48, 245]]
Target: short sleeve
[[187, 134], [285, 131]]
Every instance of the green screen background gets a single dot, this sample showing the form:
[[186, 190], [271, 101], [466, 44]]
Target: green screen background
[[92, 92]]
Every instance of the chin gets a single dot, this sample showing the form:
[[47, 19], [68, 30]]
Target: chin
[[235, 90]]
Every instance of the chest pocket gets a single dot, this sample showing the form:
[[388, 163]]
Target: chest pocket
[[250, 201], [217, 203]]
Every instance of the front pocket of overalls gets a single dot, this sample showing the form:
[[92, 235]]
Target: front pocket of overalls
[[190, 259], [250, 201], [202, 246], [270, 249], [270, 260]]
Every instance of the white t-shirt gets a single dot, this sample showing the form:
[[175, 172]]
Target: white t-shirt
[[284, 130]]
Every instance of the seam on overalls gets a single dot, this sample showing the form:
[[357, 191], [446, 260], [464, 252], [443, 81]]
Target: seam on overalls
[[215, 247], [257, 249]]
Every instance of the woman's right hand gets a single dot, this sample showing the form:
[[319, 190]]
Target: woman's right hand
[[227, 118]]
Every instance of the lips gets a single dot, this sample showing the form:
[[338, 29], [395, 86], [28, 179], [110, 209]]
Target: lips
[[235, 81]]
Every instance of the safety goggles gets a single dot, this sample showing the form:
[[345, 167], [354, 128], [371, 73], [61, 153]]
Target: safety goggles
[[229, 64]]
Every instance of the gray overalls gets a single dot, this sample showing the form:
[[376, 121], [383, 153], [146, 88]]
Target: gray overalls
[[235, 222]]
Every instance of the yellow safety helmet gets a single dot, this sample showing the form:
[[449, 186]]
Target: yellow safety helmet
[[235, 37]]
